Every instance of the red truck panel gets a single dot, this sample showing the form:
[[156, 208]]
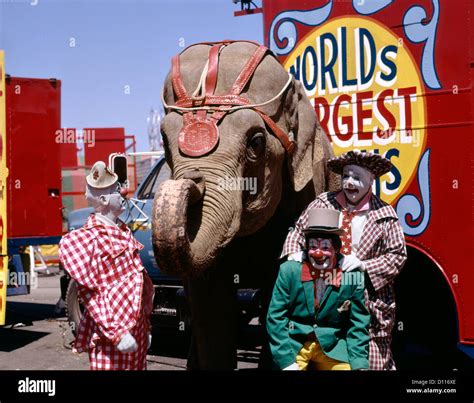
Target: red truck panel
[[34, 182], [69, 149], [431, 45], [101, 142]]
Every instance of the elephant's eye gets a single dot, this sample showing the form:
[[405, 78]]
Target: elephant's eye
[[256, 145]]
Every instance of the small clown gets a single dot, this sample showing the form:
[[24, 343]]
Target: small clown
[[317, 313], [113, 286]]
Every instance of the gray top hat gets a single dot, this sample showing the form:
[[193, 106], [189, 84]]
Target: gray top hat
[[323, 220]]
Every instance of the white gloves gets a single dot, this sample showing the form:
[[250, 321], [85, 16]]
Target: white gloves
[[149, 341], [297, 256], [127, 344], [351, 262], [292, 367]]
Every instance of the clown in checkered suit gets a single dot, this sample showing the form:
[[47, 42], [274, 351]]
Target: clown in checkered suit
[[103, 258], [373, 242]]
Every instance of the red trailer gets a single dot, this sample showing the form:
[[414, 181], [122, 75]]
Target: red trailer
[[31, 113], [33, 159], [396, 78]]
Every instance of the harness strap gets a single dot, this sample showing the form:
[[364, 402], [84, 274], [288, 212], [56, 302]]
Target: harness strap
[[287, 144], [224, 42], [176, 80], [241, 81], [248, 70], [220, 104], [187, 118], [217, 100], [211, 79]]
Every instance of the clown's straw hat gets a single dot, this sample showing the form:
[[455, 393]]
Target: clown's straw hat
[[375, 163], [100, 176]]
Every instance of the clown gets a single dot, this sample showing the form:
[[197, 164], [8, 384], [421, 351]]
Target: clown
[[373, 242], [317, 313], [103, 258]]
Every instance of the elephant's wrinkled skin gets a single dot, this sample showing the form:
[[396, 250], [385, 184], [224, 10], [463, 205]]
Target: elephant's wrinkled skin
[[219, 238]]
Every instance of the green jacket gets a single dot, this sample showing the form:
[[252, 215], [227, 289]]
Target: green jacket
[[343, 336]]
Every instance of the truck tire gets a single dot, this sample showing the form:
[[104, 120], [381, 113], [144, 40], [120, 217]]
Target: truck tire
[[73, 307]]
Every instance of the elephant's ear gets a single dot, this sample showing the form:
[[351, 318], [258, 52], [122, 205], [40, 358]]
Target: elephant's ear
[[312, 150]]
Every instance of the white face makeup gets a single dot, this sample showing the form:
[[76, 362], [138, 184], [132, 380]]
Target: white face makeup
[[116, 203], [93, 198], [107, 202], [356, 183], [321, 253]]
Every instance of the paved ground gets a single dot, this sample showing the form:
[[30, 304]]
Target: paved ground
[[37, 337]]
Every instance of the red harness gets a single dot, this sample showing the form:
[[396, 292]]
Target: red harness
[[202, 114]]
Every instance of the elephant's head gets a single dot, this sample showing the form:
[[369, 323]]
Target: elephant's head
[[235, 188]]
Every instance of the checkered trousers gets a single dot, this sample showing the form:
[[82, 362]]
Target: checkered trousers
[[380, 355], [383, 251]]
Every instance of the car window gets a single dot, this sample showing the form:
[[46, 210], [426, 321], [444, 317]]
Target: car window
[[161, 173]]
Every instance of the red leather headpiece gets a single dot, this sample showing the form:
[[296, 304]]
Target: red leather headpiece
[[202, 113]]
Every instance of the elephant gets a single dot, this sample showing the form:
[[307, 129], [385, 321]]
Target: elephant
[[220, 238]]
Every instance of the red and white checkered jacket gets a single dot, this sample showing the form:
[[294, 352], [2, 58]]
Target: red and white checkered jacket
[[112, 282], [381, 248]]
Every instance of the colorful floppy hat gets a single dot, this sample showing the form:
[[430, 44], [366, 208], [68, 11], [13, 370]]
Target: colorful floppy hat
[[375, 163]]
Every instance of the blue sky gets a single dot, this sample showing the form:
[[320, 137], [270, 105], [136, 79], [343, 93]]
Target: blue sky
[[98, 47]]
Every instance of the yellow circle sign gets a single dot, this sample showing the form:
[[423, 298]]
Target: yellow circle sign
[[367, 92]]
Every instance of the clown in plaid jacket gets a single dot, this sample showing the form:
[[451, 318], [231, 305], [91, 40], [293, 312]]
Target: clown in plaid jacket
[[115, 290], [383, 252]]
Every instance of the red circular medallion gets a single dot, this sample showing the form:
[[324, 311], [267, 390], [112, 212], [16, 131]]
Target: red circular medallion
[[198, 137]]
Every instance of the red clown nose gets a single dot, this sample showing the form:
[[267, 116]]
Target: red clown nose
[[123, 192], [316, 254]]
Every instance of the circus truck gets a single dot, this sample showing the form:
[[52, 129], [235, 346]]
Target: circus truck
[[30, 177], [395, 78]]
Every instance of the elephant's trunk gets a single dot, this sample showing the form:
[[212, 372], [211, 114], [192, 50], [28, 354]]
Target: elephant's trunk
[[188, 227]]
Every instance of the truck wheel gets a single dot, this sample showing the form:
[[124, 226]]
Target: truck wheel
[[73, 307]]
